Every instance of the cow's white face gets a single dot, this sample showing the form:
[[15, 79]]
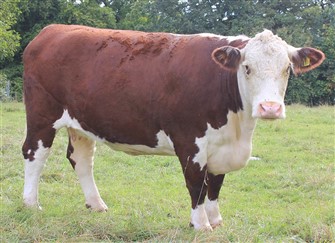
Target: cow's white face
[[263, 75], [263, 67]]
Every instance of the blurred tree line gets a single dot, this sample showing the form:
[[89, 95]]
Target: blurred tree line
[[298, 22]]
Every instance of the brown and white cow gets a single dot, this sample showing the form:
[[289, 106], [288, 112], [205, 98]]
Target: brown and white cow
[[194, 96]]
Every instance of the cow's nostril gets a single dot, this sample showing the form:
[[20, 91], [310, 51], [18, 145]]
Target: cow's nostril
[[270, 110]]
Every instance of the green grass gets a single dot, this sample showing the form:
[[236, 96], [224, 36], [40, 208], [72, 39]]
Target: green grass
[[287, 196]]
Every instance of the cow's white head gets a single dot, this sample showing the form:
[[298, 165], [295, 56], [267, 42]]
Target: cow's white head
[[263, 67]]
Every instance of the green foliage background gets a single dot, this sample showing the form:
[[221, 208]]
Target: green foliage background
[[299, 22]]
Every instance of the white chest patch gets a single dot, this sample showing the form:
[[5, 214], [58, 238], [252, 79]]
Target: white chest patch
[[227, 148]]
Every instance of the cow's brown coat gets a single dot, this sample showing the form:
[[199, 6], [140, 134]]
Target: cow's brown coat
[[125, 87]]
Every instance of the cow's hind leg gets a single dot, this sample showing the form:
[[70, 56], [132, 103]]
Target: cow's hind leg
[[212, 207], [35, 149], [80, 154]]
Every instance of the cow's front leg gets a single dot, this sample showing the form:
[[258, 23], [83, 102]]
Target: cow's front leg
[[195, 178], [212, 207], [80, 153]]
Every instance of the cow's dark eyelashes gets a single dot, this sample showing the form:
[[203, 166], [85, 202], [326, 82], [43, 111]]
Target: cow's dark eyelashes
[[247, 69]]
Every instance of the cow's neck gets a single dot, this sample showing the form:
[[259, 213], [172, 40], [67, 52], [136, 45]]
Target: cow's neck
[[229, 146], [246, 123]]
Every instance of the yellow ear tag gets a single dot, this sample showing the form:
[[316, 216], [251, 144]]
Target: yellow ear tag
[[307, 62]]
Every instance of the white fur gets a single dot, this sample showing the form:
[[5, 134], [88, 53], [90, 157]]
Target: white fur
[[239, 37], [67, 121], [199, 218], [213, 212], [268, 58], [201, 156], [228, 148], [228, 38], [83, 151], [32, 175], [219, 37], [210, 35]]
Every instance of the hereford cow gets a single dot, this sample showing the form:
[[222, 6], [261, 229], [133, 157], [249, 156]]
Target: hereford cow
[[194, 96]]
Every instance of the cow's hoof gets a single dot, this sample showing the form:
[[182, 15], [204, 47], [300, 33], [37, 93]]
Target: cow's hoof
[[101, 208], [204, 228], [96, 205], [34, 205], [216, 224]]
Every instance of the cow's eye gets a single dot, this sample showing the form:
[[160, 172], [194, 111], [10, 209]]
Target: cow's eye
[[247, 69]]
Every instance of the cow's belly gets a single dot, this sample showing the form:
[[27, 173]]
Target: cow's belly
[[164, 146]]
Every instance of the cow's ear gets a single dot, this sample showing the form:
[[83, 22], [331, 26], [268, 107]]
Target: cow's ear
[[227, 57], [306, 59]]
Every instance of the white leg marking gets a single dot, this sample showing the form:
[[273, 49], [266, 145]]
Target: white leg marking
[[199, 218], [83, 151], [213, 212], [32, 175]]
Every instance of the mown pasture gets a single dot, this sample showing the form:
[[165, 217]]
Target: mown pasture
[[286, 196]]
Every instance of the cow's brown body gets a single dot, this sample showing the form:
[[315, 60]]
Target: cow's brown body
[[124, 88]]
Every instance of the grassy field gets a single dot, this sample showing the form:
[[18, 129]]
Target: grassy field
[[286, 196]]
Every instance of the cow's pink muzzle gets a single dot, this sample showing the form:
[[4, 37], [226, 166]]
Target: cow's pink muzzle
[[270, 110]]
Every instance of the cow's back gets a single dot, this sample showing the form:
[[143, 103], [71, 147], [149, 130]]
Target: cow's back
[[126, 86]]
